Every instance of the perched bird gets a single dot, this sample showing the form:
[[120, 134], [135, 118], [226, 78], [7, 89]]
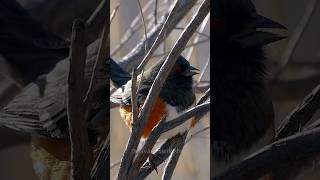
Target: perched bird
[[30, 51], [242, 117], [176, 96]]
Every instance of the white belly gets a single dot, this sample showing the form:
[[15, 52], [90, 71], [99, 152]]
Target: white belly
[[172, 113]]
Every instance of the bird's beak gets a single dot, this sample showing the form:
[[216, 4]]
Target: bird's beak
[[254, 37], [263, 22], [191, 71]]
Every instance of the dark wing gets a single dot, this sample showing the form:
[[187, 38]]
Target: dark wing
[[46, 116], [123, 94], [118, 76], [26, 46]]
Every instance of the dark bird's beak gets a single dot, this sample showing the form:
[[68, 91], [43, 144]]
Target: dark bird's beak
[[191, 71], [253, 37]]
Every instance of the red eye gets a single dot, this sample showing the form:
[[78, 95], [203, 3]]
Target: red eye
[[217, 24], [177, 68]]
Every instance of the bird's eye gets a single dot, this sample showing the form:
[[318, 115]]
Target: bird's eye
[[217, 24], [177, 68]]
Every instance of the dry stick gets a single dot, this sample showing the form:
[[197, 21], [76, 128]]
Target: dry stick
[[198, 32], [162, 154], [96, 21], [115, 164], [173, 159], [165, 53], [296, 37], [113, 14], [273, 156], [137, 54], [80, 154], [131, 31], [100, 167], [203, 71], [134, 94], [197, 37], [300, 115], [144, 25], [197, 133], [99, 69], [159, 38]]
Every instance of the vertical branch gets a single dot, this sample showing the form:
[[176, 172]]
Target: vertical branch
[[80, 155]]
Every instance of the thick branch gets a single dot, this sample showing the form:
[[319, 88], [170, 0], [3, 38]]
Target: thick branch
[[270, 157], [80, 162]]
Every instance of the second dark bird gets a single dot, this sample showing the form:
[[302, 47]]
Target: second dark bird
[[242, 110]]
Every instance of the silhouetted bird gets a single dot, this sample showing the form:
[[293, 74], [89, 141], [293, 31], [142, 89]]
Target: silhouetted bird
[[242, 117]]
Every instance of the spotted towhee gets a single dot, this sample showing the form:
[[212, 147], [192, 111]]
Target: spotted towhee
[[176, 96], [242, 118]]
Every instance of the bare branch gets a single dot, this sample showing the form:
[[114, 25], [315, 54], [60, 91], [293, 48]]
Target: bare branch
[[113, 14], [300, 115], [144, 25], [296, 37], [136, 55], [80, 154], [173, 159], [281, 152], [99, 170], [162, 154], [96, 22]]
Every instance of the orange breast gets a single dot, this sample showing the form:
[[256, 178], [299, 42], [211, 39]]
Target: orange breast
[[157, 113]]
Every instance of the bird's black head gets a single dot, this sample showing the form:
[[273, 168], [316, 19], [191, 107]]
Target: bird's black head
[[178, 90], [180, 75], [237, 22]]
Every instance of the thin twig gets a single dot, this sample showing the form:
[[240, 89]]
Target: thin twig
[[203, 70], [162, 154], [144, 25], [300, 115], [113, 14], [296, 37], [96, 22], [136, 55], [197, 133], [115, 164], [99, 170], [197, 37], [197, 32], [173, 159], [131, 31]]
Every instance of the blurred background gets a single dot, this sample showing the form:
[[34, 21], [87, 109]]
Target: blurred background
[[296, 80]]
